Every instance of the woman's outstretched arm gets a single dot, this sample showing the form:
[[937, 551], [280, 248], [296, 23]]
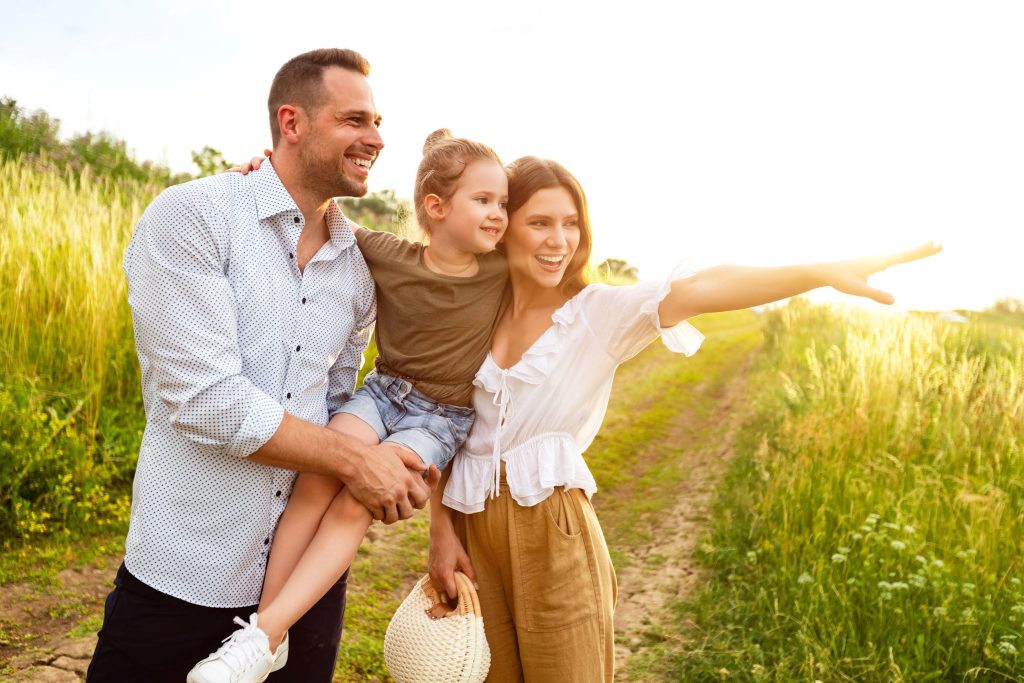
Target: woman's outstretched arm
[[730, 288]]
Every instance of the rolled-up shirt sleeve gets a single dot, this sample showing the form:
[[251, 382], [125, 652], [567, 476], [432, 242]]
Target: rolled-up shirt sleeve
[[186, 331]]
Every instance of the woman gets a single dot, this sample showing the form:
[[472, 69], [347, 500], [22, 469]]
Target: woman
[[515, 513]]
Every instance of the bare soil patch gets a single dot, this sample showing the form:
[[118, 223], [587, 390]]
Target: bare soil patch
[[665, 571]]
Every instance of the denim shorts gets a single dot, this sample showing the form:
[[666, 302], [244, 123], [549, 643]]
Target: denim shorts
[[400, 413]]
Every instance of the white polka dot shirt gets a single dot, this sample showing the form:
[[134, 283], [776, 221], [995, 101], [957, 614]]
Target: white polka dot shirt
[[230, 335]]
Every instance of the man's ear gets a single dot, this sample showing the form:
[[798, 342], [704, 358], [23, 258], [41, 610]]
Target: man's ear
[[435, 207], [291, 121]]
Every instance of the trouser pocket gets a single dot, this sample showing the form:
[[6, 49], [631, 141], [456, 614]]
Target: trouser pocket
[[557, 573]]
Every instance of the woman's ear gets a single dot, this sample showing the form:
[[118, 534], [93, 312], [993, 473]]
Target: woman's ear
[[434, 206]]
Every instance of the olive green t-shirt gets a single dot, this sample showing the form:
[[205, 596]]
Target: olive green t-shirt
[[432, 330]]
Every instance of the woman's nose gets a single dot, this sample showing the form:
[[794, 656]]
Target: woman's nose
[[557, 237]]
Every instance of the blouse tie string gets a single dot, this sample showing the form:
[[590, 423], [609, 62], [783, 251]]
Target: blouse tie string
[[502, 399]]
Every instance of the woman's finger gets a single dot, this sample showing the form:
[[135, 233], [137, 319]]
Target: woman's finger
[[920, 252], [466, 567]]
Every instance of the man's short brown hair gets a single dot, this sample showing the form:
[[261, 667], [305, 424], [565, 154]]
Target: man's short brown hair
[[300, 81]]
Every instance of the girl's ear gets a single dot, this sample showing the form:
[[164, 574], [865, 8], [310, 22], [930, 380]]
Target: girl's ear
[[434, 206]]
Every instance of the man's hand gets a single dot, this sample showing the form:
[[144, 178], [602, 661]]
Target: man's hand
[[392, 484], [389, 480]]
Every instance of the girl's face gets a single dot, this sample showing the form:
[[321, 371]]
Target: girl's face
[[543, 234], [475, 216]]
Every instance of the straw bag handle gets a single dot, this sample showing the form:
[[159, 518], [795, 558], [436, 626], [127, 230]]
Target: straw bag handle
[[468, 604]]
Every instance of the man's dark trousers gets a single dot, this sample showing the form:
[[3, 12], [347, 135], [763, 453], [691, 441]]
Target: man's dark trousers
[[151, 637]]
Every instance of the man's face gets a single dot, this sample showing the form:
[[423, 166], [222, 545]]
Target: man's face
[[343, 140]]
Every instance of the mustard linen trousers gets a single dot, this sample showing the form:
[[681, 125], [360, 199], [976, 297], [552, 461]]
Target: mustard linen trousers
[[547, 588]]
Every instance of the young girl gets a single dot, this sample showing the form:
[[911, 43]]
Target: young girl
[[437, 306]]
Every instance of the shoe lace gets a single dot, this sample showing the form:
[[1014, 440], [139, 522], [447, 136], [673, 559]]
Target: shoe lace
[[242, 647]]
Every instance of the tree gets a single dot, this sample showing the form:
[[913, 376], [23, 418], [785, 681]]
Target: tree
[[618, 271], [209, 161], [22, 133], [33, 139], [1008, 305], [382, 210]]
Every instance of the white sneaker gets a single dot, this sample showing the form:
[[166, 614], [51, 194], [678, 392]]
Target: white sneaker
[[244, 657]]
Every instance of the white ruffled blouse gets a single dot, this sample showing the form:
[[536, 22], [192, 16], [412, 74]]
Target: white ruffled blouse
[[540, 415]]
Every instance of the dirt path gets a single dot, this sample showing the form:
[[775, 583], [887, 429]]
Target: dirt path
[[663, 572], [35, 623]]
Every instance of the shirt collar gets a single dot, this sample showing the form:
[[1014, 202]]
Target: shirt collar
[[271, 196], [272, 199], [339, 227]]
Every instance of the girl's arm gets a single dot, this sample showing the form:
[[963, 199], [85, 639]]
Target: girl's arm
[[729, 288]]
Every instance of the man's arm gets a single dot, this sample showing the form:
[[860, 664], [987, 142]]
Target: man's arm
[[186, 330], [386, 479]]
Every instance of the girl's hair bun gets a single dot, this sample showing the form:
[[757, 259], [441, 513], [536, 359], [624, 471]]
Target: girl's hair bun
[[436, 137]]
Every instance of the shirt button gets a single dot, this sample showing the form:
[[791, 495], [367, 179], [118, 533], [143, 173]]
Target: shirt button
[[298, 348], [277, 495], [266, 541], [298, 220], [303, 299], [288, 395], [291, 255]]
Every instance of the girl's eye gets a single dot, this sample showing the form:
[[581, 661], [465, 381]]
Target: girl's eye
[[503, 205]]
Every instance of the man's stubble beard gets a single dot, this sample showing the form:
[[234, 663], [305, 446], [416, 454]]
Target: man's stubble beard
[[324, 176]]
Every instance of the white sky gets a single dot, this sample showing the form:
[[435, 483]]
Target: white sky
[[729, 131]]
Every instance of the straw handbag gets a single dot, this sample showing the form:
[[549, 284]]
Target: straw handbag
[[450, 649]]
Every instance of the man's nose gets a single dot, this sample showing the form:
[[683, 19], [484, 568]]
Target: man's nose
[[373, 139]]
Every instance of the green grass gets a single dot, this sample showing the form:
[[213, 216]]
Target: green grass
[[70, 415], [635, 456], [871, 527]]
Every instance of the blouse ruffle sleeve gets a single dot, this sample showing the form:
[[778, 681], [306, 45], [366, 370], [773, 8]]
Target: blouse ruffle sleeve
[[625, 319]]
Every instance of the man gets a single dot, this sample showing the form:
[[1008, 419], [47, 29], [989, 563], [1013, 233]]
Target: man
[[251, 306]]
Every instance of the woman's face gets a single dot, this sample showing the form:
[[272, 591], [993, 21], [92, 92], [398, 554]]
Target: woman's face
[[542, 236]]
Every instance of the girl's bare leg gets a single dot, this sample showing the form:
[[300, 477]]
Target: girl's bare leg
[[326, 558], [312, 496]]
